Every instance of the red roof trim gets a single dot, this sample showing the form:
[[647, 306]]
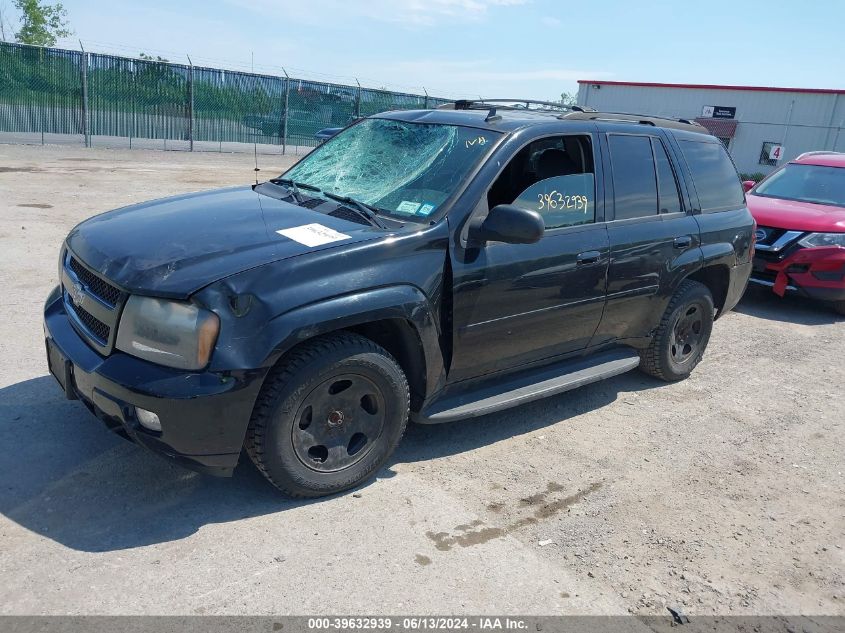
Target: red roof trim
[[648, 84]]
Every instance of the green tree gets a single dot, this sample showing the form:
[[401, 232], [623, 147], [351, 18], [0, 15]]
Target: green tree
[[150, 58], [41, 24], [568, 99]]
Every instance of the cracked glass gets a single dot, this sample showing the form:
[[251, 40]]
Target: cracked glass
[[407, 170]]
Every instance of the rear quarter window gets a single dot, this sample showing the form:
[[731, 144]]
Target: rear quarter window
[[714, 175]]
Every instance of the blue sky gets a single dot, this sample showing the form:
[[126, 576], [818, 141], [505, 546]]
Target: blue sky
[[533, 48]]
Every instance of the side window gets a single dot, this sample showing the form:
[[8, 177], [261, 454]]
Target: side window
[[714, 176], [553, 176], [669, 200], [634, 182]]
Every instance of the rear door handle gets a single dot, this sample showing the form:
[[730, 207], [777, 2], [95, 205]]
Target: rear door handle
[[685, 241], [587, 257]]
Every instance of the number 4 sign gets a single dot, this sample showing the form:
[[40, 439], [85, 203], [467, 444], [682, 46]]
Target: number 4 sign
[[775, 152]]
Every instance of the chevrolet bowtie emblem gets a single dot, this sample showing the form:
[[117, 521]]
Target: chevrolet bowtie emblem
[[77, 294]]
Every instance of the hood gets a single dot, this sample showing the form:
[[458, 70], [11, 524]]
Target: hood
[[795, 215], [174, 246]]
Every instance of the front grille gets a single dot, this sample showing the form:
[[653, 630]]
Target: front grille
[[768, 256], [774, 243], [765, 275], [97, 286], [93, 303], [94, 325], [772, 235]]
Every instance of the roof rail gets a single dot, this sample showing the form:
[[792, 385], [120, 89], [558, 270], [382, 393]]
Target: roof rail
[[513, 104], [641, 119], [571, 112]]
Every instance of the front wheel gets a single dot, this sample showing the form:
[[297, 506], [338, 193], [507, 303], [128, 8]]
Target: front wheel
[[682, 335], [329, 416]]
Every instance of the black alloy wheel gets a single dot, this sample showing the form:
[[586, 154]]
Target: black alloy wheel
[[686, 335], [682, 334], [338, 422], [329, 415]]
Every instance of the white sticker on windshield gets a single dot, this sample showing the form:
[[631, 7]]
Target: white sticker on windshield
[[313, 234], [406, 206]]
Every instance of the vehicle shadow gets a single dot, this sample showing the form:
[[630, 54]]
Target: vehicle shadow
[[764, 304], [69, 479]]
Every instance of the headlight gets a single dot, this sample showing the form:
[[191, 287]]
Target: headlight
[[823, 239], [171, 333]]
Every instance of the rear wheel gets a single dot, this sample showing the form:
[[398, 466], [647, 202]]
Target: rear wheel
[[329, 416], [682, 335]]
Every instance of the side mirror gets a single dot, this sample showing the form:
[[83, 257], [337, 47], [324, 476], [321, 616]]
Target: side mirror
[[510, 224], [747, 185]]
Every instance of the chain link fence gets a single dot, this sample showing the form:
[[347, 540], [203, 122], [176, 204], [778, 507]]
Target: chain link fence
[[62, 96]]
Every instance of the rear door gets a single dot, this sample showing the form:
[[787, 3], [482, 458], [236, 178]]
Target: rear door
[[723, 218], [654, 239]]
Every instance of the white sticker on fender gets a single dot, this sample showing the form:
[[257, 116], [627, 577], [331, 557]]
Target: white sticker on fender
[[313, 234]]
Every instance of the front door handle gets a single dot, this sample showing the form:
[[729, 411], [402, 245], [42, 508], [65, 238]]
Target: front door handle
[[587, 257], [685, 241]]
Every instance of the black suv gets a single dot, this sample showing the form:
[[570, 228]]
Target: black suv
[[437, 264]]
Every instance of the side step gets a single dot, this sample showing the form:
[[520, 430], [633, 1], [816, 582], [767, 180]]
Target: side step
[[530, 385]]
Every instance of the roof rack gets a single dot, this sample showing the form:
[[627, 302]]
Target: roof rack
[[642, 119], [571, 112], [532, 105]]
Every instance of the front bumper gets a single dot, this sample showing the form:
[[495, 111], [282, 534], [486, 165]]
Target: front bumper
[[816, 273], [204, 415]]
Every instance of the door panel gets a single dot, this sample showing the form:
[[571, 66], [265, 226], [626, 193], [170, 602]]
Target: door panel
[[515, 304], [519, 303], [644, 262]]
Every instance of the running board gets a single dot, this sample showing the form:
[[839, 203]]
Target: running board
[[528, 386]]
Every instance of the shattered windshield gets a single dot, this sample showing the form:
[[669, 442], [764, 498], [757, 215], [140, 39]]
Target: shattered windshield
[[404, 169]]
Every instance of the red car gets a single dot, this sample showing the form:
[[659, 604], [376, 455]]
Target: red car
[[800, 214]]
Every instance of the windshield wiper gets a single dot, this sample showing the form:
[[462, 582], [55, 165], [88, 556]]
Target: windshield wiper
[[367, 211], [294, 187]]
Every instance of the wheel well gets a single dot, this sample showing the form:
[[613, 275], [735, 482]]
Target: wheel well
[[400, 338], [717, 279]]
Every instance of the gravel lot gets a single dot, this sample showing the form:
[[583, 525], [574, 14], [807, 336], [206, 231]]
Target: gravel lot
[[721, 494]]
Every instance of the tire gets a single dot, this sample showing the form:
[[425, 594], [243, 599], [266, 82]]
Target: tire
[[839, 307], [682, 335], [329, 416]]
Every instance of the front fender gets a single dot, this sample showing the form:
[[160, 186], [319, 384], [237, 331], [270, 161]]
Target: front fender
[[357, 308]]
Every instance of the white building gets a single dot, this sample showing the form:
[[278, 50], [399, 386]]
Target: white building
[[762, 127]]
